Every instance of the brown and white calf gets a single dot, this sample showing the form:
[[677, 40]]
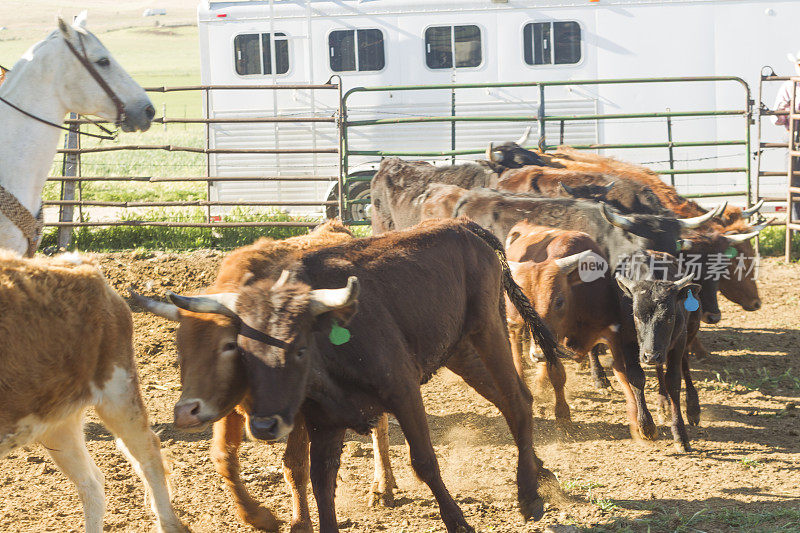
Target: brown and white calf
[[67, 345], [544, 262], [214, 389]]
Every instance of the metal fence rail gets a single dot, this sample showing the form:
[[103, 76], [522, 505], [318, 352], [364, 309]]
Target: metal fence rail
[[72, 177], [542, 118], [72, 152]]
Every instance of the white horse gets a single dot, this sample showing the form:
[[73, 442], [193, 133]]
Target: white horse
[[52, 79]]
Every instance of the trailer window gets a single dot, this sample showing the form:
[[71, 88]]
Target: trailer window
[[351, 50], [547, 43], [253, 53], [442, 43]]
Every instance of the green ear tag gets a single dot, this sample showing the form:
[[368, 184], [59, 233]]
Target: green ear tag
[[338, 335], [731, 252]]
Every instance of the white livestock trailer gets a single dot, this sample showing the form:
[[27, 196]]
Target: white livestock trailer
[[369, 43]]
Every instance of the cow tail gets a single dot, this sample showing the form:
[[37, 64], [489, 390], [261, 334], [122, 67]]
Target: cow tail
[[539, 330]]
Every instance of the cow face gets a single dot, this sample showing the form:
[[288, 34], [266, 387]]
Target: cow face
[[212, 377], [741, 286], [512, 155], [548, 285], [280, 335], [656, 308], [212, 381], [280, 328]]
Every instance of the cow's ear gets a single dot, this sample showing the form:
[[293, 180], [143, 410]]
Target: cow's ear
[[574, 278], [684, 292], [626, 285]]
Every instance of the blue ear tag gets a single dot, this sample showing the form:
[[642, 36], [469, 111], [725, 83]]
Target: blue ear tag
[[691, 303], [338, 334], [731, 252]]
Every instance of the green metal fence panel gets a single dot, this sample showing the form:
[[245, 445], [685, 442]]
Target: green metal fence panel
[[542, 119]]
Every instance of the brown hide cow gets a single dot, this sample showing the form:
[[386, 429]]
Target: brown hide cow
[[740, 289], [439, 200], [67, 344], [397, 186], [413, 301], [213, 381], [544, 263], [626, 195]]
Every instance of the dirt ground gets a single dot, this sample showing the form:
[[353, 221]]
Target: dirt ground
[[743, 474]]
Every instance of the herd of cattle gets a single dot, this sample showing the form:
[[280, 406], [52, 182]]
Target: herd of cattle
[[307, 337]]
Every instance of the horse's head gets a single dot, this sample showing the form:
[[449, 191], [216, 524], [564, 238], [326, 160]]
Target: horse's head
[[111, 93]]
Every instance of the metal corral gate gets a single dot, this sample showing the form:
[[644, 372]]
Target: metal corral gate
[[71, 175], [542, 119], [347, 179]]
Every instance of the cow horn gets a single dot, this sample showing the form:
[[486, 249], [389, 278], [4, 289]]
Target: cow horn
[[741, 237], [615, 218], [696, 222], [524, 137], [162, 309], [610, 185], [223, 303], [752, 210], [566, 188], [683, 282], [567, 264], [490, 153], [324, 300], [282, 279]]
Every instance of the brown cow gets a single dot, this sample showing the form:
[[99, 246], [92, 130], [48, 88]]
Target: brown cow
[[396, 188], [439, 200], [626, 195], [544, 263], [68, 345], [412, 301], [213, 380]]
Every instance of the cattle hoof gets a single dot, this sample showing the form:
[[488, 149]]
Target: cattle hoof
[[602, 384], [693, 417], [682, 448], [563, 416], [262, 519], [648, 431], [548, 483], [381, 499], [532, 510], [178, 527], [302, 527]]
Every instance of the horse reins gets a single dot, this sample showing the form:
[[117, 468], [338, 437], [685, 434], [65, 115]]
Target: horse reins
[[84, 60]]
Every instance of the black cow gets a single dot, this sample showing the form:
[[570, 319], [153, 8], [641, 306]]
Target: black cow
[[351, 331], [656, 294]]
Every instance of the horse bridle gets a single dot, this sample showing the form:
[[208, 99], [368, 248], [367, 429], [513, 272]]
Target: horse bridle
[[84, 60]]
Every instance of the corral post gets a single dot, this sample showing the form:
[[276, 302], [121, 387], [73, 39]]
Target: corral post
[[70, 167], [452, 114], [342, 151], [542, 123], [671, 150]]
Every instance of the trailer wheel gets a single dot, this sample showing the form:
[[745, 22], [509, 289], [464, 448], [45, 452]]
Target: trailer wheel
[[358, 191]]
